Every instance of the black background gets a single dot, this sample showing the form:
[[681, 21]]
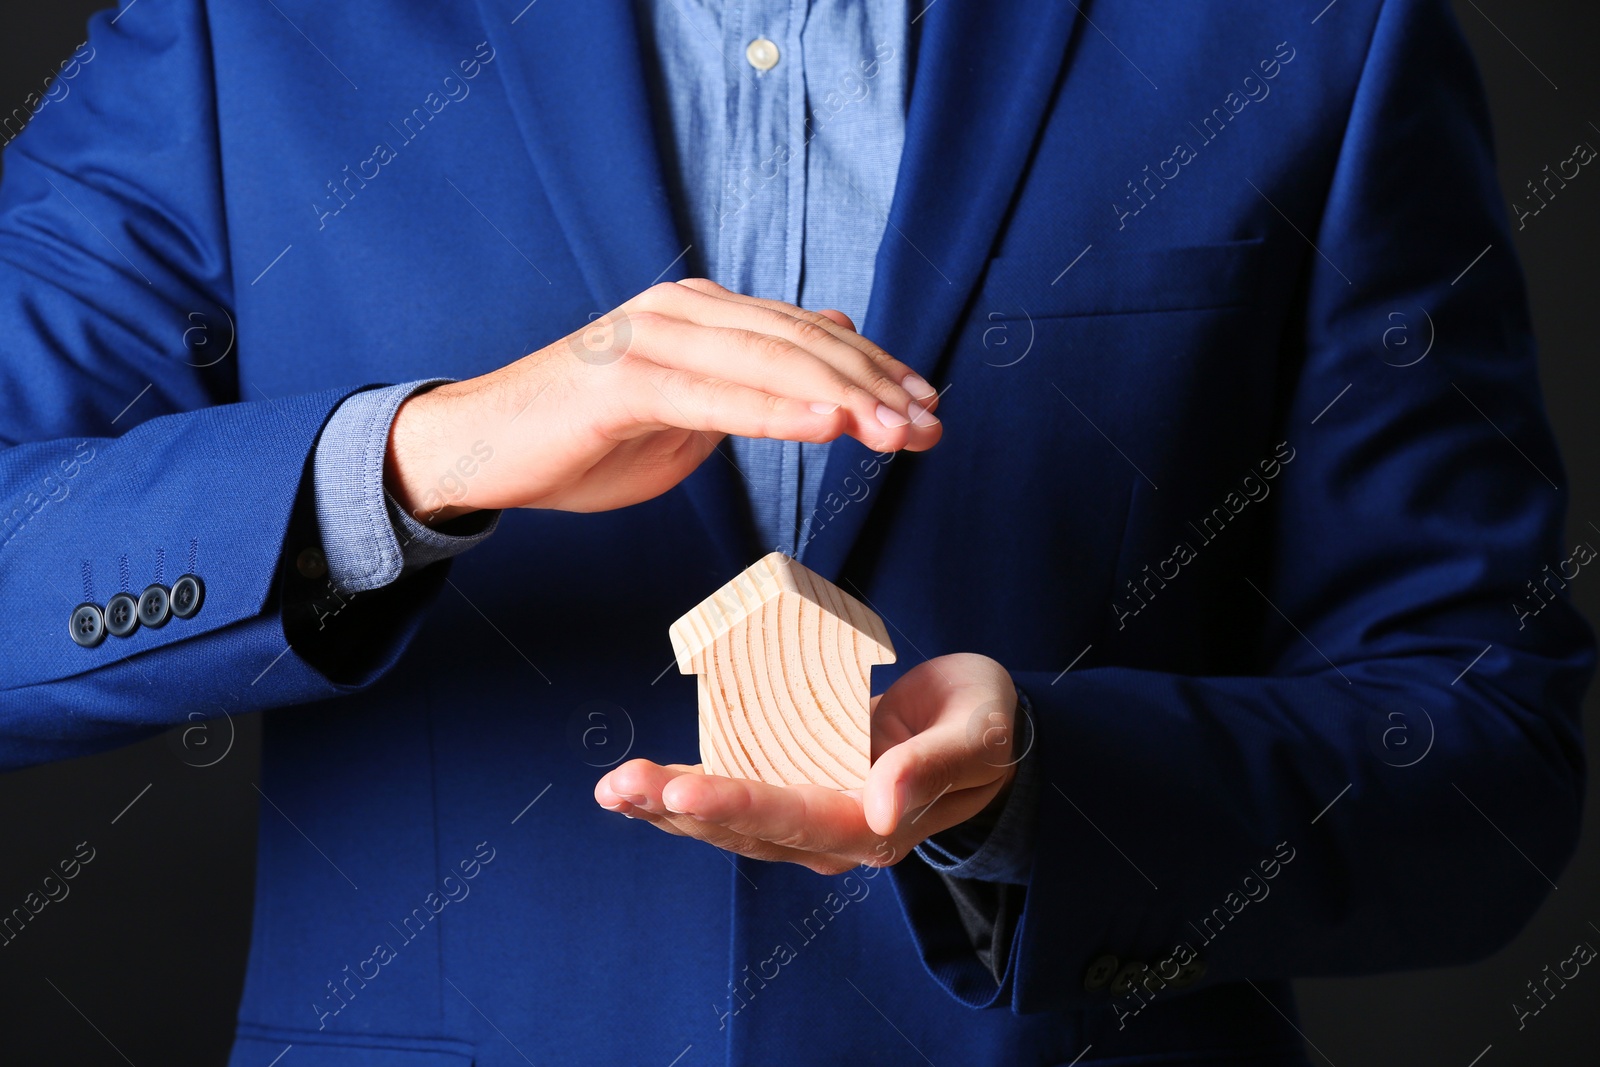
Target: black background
[[147, 952]]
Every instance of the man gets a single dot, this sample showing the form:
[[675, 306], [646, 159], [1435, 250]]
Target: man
[[1213, 601]]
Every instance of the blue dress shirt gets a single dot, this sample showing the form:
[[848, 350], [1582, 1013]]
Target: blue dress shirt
[[781, 124]]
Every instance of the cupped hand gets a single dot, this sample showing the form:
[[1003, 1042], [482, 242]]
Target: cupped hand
[[627, 407], [942, 750]]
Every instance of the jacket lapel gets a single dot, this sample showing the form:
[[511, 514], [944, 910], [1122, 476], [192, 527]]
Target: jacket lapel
[[575, 80], [574, 74], [983, 76]]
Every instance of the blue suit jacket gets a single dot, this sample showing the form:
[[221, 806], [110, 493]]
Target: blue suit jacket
[[1309, 595]]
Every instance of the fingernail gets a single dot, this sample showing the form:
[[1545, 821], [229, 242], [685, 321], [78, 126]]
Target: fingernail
[[902, 799], [890, 417], [921, 416], [824, 409], [917, 387], [636, 801]]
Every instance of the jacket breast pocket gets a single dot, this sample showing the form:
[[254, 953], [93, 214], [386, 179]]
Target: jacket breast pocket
[[1118, 281]]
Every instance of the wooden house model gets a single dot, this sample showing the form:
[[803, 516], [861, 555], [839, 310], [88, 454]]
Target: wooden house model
[[784, 659]]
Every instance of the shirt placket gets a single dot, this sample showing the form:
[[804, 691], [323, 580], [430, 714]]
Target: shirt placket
[[761, 227]]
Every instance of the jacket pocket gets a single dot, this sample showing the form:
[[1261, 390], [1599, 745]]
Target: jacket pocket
[[1115, 281]]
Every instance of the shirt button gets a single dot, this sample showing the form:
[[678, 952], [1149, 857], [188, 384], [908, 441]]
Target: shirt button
[[311, 563], [762, 54]]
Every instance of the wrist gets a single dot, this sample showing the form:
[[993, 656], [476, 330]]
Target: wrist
[[425, 485]]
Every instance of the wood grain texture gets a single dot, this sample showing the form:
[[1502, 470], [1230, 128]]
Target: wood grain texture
[[784, 660]]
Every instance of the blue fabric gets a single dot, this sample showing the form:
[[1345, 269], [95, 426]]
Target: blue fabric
[[783, 177], [367, 539], [1179, 468]]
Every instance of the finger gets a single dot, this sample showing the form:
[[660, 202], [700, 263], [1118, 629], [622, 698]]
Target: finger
[[840, 318], [715, 834], [771, 315], [638, 782], [894, 383], [663, 398], [660, 822], [833, 315], [634, 789], [778, 367], [750, 847], [846, 331], [908, 779], [808, 818]]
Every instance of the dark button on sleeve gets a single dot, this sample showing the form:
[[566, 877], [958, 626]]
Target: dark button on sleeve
[[1190, 973], [1128, 977], [88, 627], [154, 606], [186, 595], [122, 615], [1099, 974]]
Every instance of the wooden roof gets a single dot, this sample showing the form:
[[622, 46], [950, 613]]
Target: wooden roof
[[773, 575]]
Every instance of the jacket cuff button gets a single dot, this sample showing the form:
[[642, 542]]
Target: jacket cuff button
[[186, 595], [1189, 973], [1128, 977], [122, 615], [1098, 976], [155, 606], [88, 626]]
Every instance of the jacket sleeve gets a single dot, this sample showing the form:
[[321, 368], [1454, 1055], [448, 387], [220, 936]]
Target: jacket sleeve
[[1399, 781], [127, 458]]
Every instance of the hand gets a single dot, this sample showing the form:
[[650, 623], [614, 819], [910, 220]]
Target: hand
[[627, 407], [942, 739]]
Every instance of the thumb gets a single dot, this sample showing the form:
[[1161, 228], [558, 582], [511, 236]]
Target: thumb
[[908, 777]]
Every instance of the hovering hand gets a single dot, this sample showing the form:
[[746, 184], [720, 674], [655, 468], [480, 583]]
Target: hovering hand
[[627, 407], [942, 740]]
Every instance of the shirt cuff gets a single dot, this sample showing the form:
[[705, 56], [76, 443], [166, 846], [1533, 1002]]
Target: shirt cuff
[[995, 846], [367, 539]]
